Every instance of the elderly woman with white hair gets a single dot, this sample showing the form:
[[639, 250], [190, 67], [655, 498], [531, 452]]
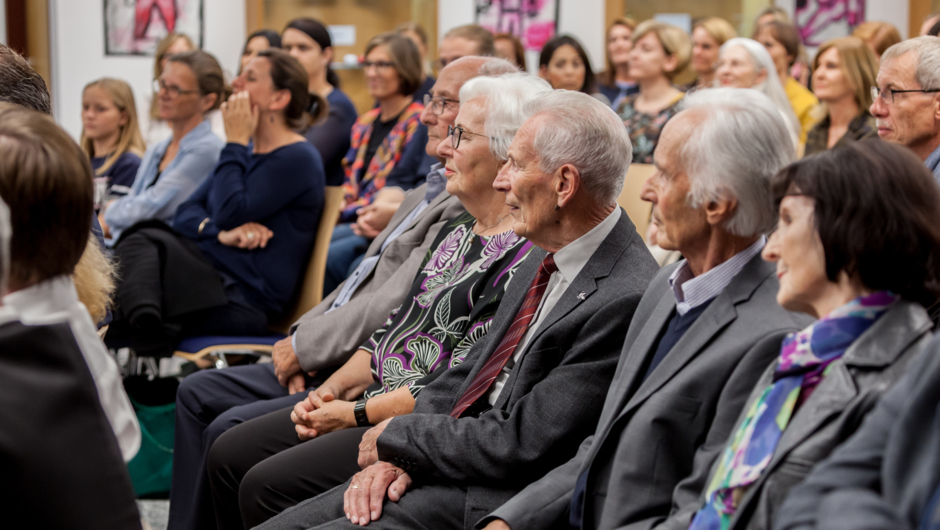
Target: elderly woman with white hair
[[745, 63], [448, 309]]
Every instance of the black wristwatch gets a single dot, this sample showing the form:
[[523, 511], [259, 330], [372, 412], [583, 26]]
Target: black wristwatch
[[359, 410]]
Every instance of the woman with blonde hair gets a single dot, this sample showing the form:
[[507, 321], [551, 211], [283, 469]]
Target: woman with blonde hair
[[708, 34], [843, 73], [111, 137], [615, 82], [879, 36], [660, 51]]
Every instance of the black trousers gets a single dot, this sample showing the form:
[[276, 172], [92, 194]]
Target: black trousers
[[260, 468]]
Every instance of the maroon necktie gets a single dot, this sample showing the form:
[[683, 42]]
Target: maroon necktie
[[496, 362]]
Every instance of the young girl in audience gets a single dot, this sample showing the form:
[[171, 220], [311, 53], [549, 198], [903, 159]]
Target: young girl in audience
[[111, 137], [565, 65], [308, 41]]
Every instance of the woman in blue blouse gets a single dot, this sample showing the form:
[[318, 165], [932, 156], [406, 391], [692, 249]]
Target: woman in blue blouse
[[247, 232], [309, 42], [190, 86]]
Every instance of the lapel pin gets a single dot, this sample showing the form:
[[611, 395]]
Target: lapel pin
[[582, 296]]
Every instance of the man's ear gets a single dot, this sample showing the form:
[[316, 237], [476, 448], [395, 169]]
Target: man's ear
[[567, 183], [720, 210]]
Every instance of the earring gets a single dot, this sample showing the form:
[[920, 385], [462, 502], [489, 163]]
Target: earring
[[557, 208], [271, 118]]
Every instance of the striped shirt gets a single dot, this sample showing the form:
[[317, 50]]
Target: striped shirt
[[692, 291]]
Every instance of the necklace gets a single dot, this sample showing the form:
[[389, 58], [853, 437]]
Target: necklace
[[488, 228]]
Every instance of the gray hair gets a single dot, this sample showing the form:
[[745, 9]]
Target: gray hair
[[496, 66], [926, 52], [506, 96], [587, 134], [739, 144], [772, 85]]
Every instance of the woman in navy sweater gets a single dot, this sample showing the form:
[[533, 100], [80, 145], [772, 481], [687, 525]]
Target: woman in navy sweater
[[250, 226]]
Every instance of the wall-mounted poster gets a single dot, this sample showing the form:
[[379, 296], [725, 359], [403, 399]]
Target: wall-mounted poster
[[533, 21], [135, 27], [822, 20]]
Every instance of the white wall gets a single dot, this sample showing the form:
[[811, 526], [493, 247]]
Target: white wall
[[3, 21], [77, 34], [584, 19]]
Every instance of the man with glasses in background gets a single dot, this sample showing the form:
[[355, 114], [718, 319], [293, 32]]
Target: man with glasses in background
[[906, 102]]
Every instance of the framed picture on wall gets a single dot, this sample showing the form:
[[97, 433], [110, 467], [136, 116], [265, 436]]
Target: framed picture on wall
[[533, 21], [135, 27]]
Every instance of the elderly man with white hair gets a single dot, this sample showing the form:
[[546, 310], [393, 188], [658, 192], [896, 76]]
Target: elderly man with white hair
[[524, 398], [906, 102], [703, 333]]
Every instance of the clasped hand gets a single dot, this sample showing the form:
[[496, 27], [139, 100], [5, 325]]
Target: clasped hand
[[321, 413], [362, 502], [247, 236]]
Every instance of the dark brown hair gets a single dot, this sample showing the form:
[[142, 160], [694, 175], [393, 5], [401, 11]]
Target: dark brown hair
[[786, 35], [316, 31], [517, 48], [404, 56], [20, 84], [208, 74], [288, 74], [590, 83], [876, 213], [46, 180]]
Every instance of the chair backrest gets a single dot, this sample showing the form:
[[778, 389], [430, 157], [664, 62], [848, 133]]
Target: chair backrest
[[638, 209], [311, 286]]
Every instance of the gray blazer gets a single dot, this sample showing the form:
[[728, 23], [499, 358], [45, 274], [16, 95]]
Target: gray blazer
[[551, 399], [655, 433], [328, 339], [832, 413], [885, 474]]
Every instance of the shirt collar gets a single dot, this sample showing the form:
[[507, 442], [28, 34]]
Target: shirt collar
[[197, 133], [692, 291], [436, 182], [571, 258], [933, 163], [43, 299]]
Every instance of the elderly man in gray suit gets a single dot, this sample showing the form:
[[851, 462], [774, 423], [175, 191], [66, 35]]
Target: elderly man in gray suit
[[211, 402], [704, 332], [525, 396]]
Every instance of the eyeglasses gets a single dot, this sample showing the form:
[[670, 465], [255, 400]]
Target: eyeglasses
[[172, 90], [887, 95], [379, 65], [456, 133], [438, 103]]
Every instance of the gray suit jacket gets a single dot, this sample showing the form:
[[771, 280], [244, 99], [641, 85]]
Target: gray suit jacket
[[329, 339], [653, 434], [552, 397], [885, 474], [832, 413]]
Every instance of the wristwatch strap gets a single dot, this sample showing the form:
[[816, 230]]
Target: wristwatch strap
[[359, 410]]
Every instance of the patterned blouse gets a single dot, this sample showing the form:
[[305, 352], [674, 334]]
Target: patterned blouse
[[861, 127], [644, 128], [450, 306]]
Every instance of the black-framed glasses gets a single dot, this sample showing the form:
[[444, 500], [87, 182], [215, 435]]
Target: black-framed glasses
[[438, 103], [173, 90], [379, 65], [887, 95], [458, 132]]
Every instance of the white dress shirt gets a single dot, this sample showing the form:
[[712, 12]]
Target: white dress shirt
[[56, 301], [570, 259], [692, 291]]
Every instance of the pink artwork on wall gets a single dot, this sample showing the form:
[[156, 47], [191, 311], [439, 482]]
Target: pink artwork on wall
[[822, 20], [533, 21], [135, 27]]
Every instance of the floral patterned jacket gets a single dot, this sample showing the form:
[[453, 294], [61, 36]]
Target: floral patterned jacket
[[644, 128], [450, 306]]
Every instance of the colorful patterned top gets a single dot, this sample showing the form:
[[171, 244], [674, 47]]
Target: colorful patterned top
[[644, 128], [805, 360], [861, 127], [450, 306], [361, 183]]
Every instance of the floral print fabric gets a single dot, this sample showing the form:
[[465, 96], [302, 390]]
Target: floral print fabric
[[644, 128], [449, 308], [805, 359]]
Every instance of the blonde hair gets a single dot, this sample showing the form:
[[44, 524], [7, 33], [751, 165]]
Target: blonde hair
[[674, 41], [94, 280], [720, 29], [158, 57], [857, 62], [609, 76], [130, 139], [880, 35]]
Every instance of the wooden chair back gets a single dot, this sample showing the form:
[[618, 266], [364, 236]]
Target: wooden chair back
[[638, 209]]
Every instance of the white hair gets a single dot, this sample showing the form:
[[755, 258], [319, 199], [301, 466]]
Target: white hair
[[496, 66], [771, 85], [587, 134], [738, 145], [506, 96], [926, 52]]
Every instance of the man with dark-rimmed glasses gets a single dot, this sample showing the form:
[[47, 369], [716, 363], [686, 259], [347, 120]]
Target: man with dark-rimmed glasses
[[906, 102]]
